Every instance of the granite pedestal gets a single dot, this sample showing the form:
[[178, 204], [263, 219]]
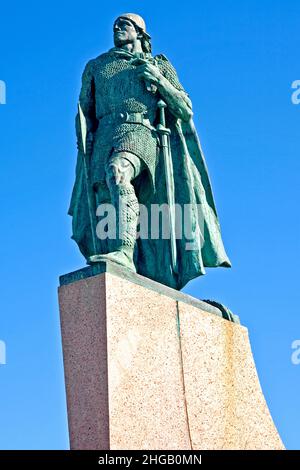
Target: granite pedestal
[[147, 367]]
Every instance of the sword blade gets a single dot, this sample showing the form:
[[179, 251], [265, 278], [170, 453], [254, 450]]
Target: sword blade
[[169, 175], [83, 127]]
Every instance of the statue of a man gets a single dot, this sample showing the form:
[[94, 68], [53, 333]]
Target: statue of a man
[[121, 162]]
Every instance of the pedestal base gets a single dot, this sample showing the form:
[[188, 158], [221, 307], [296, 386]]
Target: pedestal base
[[149, 369]]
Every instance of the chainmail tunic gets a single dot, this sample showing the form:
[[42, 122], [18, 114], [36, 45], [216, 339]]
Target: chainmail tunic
[[111, 88]]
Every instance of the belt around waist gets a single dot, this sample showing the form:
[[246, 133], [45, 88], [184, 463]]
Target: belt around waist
[[128, 118]]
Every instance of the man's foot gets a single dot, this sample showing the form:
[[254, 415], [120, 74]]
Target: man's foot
[[121, 258]]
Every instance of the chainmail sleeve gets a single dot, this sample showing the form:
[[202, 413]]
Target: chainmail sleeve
[[168, 71], [170, 74]]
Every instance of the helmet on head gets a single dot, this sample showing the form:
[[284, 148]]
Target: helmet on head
[[137, 20]]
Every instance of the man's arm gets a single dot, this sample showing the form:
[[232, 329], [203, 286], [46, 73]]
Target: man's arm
[[165, 78], [88, 106], [178, 102]]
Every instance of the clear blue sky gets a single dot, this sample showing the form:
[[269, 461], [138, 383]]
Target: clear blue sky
[[237, 60]]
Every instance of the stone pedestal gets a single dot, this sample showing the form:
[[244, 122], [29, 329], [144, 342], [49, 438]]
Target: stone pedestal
[[147, 367]]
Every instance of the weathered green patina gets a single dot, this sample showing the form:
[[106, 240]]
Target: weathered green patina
[[137, 145]]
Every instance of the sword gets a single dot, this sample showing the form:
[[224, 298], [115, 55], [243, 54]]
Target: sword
[[164, 133], [83, 128]]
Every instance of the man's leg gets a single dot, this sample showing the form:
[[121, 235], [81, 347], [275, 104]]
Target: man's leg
[[121, 170]]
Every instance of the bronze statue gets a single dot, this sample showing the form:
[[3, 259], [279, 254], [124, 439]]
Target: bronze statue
[[137, 146]]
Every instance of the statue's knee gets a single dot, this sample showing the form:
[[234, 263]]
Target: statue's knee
[[111, 172], [119, 170]]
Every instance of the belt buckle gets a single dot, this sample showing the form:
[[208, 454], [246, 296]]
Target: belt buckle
[[123, 116], [126, 117], [135, 118]]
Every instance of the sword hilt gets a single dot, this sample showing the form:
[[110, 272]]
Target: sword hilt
[[161, 127], [162, 116]]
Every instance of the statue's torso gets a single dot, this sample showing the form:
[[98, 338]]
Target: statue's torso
[[111, 86], [119, 89]]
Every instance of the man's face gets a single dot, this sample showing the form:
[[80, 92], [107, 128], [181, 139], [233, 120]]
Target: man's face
[[124, 32]]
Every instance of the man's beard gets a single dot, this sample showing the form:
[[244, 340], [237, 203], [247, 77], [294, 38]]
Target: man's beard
[[121, 42]]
